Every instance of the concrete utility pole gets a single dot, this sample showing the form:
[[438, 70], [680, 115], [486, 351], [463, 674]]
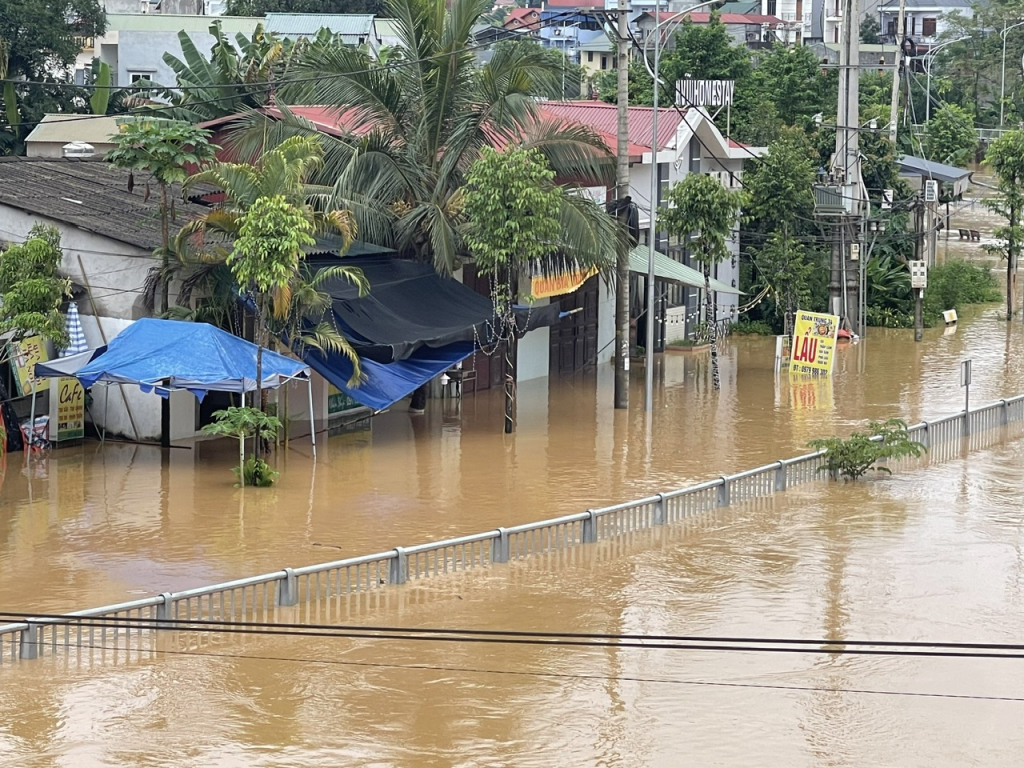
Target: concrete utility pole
[[621, 193], [920, 254], [897, 71], [844, 287]]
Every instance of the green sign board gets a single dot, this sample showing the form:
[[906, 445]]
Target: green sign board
[[339, 402]]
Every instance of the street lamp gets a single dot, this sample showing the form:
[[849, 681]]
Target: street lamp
[[928, 70], [1002, 78], [654, 72]]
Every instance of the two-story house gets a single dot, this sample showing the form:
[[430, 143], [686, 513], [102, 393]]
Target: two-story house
[[925, 20]]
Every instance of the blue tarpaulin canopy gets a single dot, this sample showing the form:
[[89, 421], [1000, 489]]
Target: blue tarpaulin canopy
[[384, 384], [164, 355]]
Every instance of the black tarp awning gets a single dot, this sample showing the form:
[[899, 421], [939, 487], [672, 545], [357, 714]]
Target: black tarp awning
[[409, 306]]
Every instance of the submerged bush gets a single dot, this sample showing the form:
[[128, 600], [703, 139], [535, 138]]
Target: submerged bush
[[956, 284], [952, 285], [853, 456]]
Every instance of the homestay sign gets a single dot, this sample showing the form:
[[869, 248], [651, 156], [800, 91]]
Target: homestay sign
[[704, 93], [814, 343]]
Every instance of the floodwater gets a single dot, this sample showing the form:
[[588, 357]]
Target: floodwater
[[930, 554]]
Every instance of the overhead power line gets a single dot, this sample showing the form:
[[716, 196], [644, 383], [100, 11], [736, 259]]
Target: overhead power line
[[577, 676], [569, 639]]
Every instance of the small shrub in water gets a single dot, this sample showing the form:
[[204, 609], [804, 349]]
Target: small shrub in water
[[242, 422], [256, 472], [853, 456]]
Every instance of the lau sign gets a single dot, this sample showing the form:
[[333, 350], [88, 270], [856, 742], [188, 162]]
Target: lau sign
[[814, 343]]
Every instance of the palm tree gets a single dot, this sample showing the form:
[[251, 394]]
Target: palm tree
[[416, 126], [236, 76], [297, 310]]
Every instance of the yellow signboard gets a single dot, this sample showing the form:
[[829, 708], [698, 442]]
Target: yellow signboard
[[24, 356], [814, 343], [556, 285], [67, 409]]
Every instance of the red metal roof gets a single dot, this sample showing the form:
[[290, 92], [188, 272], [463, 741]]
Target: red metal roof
[[523, 16], [600, 117], [603, 118]]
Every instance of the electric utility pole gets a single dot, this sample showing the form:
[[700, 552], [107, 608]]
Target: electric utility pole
[[844, 282], [897, 72], [621, 196]]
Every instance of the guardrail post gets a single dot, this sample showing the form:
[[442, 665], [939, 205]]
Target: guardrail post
[[499, 547], [163, 612], [29, 642], [398, 573], [1004, 413], [780, 477], [590, 527], [659, 510], [288, 589], [926, 438], [723, 492]]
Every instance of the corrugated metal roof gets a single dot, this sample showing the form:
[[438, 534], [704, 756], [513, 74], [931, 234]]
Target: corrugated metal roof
[[954, 179], [167, 22], [90, 194], [64, 128], [603, 118], [307, 24], [667, 268]]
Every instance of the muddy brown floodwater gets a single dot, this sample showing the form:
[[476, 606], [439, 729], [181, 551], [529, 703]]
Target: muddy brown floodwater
[[934, 553]]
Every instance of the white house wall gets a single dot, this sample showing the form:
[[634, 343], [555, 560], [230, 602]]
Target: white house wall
[[605, 322], [115, 273]]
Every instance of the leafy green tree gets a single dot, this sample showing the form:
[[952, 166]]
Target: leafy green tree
[[851, 457], [1006, 157], [870, 30], [32, 290], [164, 149], [298, 309], [243, 423], [265, 258], [781, 205], [792, 80], [705, 52], [39, 42], [417, 130], [701, 208], [950, 136], [512, 209], [698, 51]]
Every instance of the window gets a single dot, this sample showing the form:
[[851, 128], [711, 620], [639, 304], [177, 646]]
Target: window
[[890, 29], [604, 62], [913, 25], [928, 27], [135, 75], [590, 57], [770, 7]]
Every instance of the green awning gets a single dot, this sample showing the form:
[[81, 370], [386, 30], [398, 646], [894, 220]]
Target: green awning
[[670, 269]]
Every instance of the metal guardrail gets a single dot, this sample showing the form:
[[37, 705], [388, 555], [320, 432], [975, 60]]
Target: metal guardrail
[[313, 587]]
